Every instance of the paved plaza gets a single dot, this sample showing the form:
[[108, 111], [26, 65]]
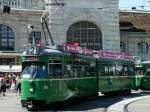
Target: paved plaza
[[142, 105], [136, 102], [10, 103]]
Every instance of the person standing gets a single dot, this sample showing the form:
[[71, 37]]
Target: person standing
[[3, 86]]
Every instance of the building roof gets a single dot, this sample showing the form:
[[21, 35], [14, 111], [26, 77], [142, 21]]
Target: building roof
[[139, 20], [135, 11]]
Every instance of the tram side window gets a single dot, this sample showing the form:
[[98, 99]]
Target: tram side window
[[139, 71], [118, 69], [91, 68], [111, 69], [79, 68], [75, 68], [69, 69], [124, 70], [104, 69], [55, 68], [127, 70], [131, 70]]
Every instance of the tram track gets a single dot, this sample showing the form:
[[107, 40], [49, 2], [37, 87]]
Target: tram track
[[103, 103], [100, 103]]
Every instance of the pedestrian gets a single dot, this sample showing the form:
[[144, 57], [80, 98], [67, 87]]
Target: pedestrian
[[0, 85], [18, 81], [3, 86], [7, 80], [13, 85]]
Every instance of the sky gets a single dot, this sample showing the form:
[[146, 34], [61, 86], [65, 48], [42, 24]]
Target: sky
[[128, 4]]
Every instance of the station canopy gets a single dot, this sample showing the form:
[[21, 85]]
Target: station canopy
[[13, 68]]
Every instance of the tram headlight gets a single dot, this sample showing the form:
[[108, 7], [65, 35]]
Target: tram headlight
[[31, 90]]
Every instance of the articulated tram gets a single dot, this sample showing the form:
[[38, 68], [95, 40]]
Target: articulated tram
[[144, 71], [58, 74]]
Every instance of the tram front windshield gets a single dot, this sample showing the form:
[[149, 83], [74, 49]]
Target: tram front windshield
[[34, 70]]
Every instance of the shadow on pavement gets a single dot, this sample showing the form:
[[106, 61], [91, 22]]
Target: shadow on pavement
[[85, 104]]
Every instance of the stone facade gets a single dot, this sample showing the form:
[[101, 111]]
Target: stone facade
[[21, 15], [23, 4], [103, 13], [135, 33], [19, 20]]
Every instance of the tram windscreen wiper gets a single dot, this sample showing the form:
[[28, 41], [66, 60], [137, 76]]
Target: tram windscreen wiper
[[35, 74]]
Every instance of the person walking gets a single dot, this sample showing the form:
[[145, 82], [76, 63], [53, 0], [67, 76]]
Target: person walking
[[13, 85], [18, 81], [0, 85], [3, 86]]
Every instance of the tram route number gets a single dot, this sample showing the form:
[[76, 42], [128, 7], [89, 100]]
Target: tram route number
[[32, 50]]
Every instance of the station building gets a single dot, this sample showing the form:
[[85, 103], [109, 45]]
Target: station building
[[135, 32], [93, 24], [14, 32]]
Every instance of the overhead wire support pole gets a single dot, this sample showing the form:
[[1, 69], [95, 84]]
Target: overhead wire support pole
[[51, 13], [48, 32], [44, 34], [44, 19]]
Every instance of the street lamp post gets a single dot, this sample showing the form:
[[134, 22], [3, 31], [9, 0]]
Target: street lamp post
[[30, 28], [31, 46]]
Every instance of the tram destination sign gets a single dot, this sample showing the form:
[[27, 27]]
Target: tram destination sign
[[31, 58], [77, 49], [115, 55]]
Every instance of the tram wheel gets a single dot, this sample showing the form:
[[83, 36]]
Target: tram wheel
[[23, 104], [30, 108]]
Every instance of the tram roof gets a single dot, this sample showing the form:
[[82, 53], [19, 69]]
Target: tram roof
[[48, 51], [118, 60], [146, 62], [55, 52]]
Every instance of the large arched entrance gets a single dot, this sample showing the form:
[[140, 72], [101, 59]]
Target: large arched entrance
[[86, 34], [7, 38]]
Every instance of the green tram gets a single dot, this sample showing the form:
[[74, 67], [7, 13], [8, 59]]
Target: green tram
[[144, 71], [116, 73], [53, 75]]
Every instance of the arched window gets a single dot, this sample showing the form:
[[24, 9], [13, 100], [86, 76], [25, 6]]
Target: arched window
[[86, 34], [143, 47], [7, 38]]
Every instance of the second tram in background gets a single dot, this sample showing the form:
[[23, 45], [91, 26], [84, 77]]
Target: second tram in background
[[143, 70], [53, 75]]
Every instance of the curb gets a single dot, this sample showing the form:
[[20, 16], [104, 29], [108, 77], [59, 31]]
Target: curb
[[122, 105]]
